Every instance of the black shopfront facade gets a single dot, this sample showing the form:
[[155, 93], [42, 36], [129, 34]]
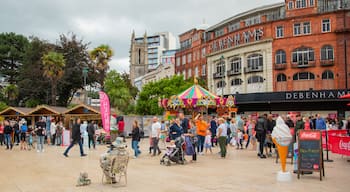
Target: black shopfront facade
[[312, 100]]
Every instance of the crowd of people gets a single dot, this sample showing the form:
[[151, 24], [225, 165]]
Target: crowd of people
[[240, 132], [17, 132]]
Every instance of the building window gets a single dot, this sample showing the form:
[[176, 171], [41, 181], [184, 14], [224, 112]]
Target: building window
[[281, 77], [189, 58], [281, 57], [327, 53], [220, 84], [219, 32], [203, 70], [303, 76], [236, 64], [178, 61], [327, 75], [196, 72], [236, 82], [189, 73], [297, 30], [300, 3], [302, 56], [255, 62], [279, 31], [234, 27], [220, 67], [326, 25], [311, 3], [290, 5], [255, 79], [203, 52], [183, 59], [252, 21], [307, 27]]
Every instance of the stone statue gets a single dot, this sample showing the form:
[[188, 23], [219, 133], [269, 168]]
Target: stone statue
[[114, 163], [83, 179]]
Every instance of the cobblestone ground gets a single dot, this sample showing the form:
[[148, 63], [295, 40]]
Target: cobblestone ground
[[240, 171]]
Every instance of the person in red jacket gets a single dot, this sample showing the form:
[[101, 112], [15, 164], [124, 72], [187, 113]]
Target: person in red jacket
[[121, 128]]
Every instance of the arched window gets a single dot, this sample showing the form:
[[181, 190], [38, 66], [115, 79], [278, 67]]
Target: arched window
[[327, 53], [281, 77], [220, 84], [236, 82], [281, 57], [327, 75], [255, 79], [303, 55], [255, 62], [220, 67], [236, 64], [303, 76]]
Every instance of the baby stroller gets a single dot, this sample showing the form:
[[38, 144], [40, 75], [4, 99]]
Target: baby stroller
[[175, 154]]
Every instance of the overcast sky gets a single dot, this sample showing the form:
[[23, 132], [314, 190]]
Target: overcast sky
[[112, 21]]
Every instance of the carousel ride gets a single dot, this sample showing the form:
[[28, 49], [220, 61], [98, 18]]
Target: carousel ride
[[198, 99]]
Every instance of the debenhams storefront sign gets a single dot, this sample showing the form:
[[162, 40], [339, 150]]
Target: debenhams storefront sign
[[291, 96], [315, 95]]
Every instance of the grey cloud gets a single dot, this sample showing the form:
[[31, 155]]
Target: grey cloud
[[112, 21]]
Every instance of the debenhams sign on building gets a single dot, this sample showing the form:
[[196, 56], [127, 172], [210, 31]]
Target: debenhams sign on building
[[315, 95]]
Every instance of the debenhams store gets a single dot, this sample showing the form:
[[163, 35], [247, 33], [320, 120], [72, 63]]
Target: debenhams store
[[325, 102]]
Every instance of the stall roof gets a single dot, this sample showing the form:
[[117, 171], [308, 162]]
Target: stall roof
[[47, 110], [83, 109], [16, 111]]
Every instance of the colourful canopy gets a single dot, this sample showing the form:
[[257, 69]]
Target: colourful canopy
[[196, 92]]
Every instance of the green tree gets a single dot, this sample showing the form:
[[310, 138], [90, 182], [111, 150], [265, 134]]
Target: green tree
[[3, 106], [12, 48], [147, 104], [133, 90], [11, 93], [101, 56], [117, 91], [77, 58], [53, 69], [34, 87]]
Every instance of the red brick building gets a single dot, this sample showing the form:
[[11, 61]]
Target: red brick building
[[190, 59], [277, 57]]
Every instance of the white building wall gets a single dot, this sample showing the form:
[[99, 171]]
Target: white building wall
[[262, 47]]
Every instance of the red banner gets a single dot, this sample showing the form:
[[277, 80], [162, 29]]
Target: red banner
[[340, 144], [331, 133]]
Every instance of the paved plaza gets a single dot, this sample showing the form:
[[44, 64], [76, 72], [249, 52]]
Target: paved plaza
[[25, 171]]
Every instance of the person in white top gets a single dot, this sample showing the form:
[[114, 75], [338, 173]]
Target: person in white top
[[53, 132], [155, 133]]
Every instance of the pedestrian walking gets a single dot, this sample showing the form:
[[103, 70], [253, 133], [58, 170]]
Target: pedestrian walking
[[222, 136], [91, 134], [40, 131], [8, 132], [53, 129], [135, 134], [76, 139], [202, 127], [59, 133], [2, 133], [261, 129], [23, 135], [155, 133]]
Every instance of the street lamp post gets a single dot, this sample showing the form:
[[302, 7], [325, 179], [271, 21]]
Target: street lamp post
[[85, 73], [222, 75]]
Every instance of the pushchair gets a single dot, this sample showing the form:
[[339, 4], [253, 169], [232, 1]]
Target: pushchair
[[175, 154]]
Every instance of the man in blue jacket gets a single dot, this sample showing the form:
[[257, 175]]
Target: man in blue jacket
[[320, 123]]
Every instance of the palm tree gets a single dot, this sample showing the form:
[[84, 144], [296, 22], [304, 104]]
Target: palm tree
[[54, 64], [101, 56], [11, 91]]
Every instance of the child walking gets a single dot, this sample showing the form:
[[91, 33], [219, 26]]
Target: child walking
[[207, 142], [239, 139]]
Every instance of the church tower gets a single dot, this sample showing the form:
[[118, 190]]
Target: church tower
[[138, 57]]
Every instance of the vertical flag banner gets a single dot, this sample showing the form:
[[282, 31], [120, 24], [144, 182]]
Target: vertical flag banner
[[105, 111]]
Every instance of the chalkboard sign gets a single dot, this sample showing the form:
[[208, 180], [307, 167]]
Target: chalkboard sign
[[310, 157]]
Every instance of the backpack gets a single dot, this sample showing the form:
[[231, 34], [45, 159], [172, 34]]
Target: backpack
[[260, 125]]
